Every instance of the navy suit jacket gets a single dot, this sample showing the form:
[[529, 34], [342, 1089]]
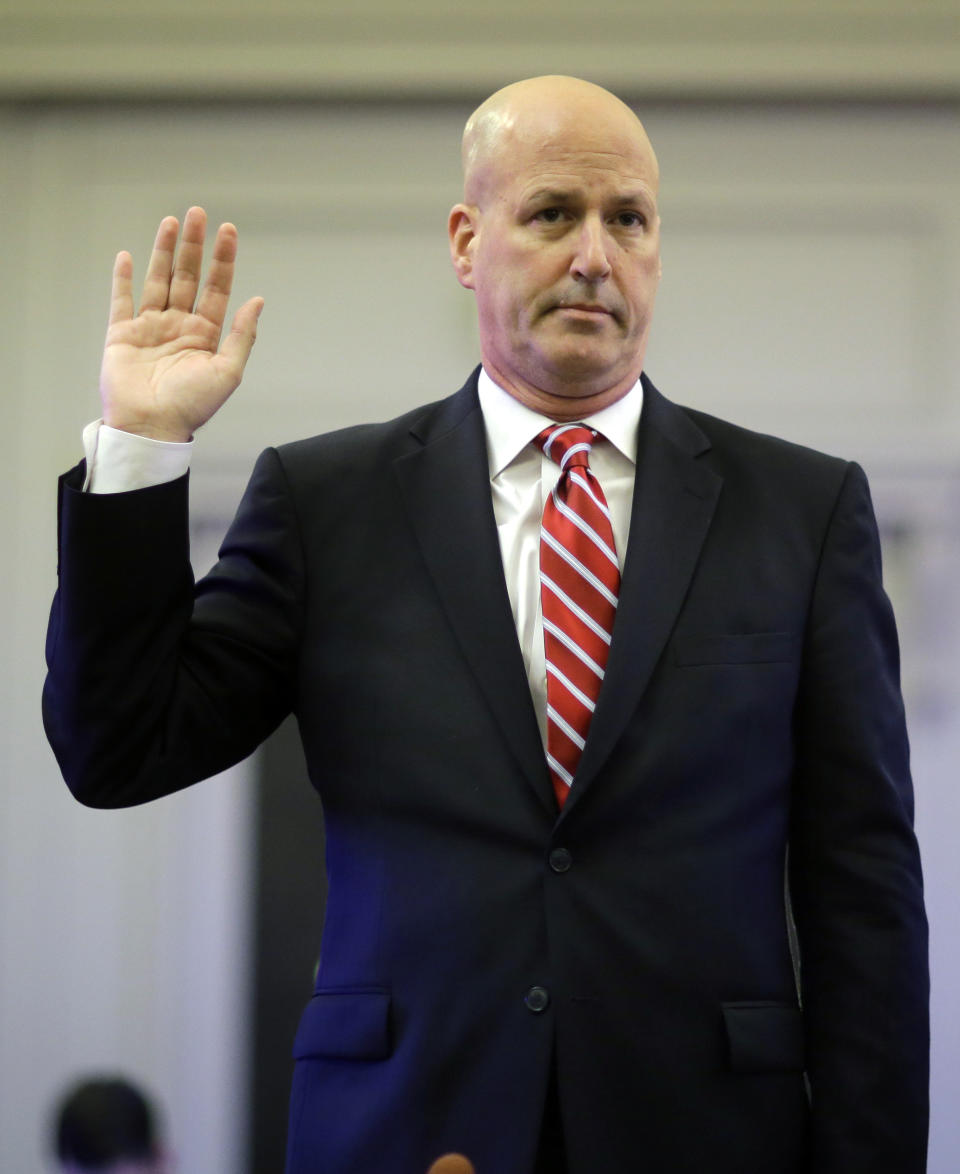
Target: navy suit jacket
[[750, 726]]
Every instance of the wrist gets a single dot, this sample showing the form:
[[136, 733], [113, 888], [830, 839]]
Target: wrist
[[149, 430]]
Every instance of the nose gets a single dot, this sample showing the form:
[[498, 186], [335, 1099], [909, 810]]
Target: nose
[[590, 261]]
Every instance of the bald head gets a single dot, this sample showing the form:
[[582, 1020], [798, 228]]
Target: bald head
[[558, 236], [536, 111]]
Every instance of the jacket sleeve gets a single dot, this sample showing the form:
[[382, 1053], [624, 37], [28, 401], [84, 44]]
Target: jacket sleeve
[[855, 872], [154, 683]]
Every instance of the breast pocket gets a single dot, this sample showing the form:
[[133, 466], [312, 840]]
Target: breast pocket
[[764, 1037], [737, 648]]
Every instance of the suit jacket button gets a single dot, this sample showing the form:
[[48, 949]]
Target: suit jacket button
[[560, 859], [537, 999]]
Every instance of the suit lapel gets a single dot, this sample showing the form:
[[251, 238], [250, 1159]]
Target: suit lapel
[[446, 489], [674, 499]]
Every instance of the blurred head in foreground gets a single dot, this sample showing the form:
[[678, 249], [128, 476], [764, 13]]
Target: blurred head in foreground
[[108, 1126]]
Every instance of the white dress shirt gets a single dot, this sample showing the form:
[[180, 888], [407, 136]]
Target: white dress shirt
[[120, 461], [521, 477]]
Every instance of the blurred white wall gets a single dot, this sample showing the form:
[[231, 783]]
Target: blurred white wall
[[811, 288]]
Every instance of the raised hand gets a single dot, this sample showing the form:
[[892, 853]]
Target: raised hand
[[164, 371]]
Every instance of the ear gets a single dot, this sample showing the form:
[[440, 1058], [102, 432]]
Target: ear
[[463, 230]]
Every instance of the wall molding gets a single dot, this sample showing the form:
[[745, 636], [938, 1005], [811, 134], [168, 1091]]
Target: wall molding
[[890, 49]]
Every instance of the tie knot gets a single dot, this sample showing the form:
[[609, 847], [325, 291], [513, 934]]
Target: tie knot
[[568, 444]]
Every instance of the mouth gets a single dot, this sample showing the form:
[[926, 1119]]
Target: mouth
[[585, 308], [586, 311]]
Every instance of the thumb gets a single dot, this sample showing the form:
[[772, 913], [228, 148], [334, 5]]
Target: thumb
[[239, 342]]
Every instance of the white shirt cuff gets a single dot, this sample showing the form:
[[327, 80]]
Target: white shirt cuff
[[120, 461]]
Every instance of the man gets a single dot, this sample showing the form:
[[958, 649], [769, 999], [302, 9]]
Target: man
[[564, 739]]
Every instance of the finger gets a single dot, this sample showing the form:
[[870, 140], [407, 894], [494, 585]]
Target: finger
[[156, 284], [186, 267], [243, 334], [216, 289], [451, 1164], [121, 290]]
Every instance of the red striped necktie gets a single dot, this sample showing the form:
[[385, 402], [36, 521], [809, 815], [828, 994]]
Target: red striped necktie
[[579, 585]]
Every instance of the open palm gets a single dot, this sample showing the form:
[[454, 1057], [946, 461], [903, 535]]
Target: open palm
[[164, 370]]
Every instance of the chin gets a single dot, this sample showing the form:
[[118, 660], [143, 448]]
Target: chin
[[586, 370]]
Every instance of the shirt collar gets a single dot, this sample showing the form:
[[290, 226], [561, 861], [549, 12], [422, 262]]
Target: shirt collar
[[511, 425]]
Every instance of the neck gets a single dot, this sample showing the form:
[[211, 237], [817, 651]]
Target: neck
[[562, 405]]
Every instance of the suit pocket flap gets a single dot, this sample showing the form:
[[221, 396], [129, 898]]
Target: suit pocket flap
[[764, 1037], [738, 648], [349, 1025]]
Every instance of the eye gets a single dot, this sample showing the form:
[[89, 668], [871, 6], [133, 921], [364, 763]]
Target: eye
[[628, 219], [549, 215]]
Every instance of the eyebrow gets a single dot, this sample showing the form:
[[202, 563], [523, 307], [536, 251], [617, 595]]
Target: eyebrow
[[553, 194], [563, 196]]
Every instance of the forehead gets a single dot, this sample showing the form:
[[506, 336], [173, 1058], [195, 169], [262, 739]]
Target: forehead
[[576, 155], [577, 176]]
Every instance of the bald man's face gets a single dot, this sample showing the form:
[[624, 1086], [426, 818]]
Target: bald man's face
[[562, 250]]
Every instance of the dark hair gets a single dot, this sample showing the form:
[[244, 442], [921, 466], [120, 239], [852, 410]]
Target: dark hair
[[103, 1121]]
